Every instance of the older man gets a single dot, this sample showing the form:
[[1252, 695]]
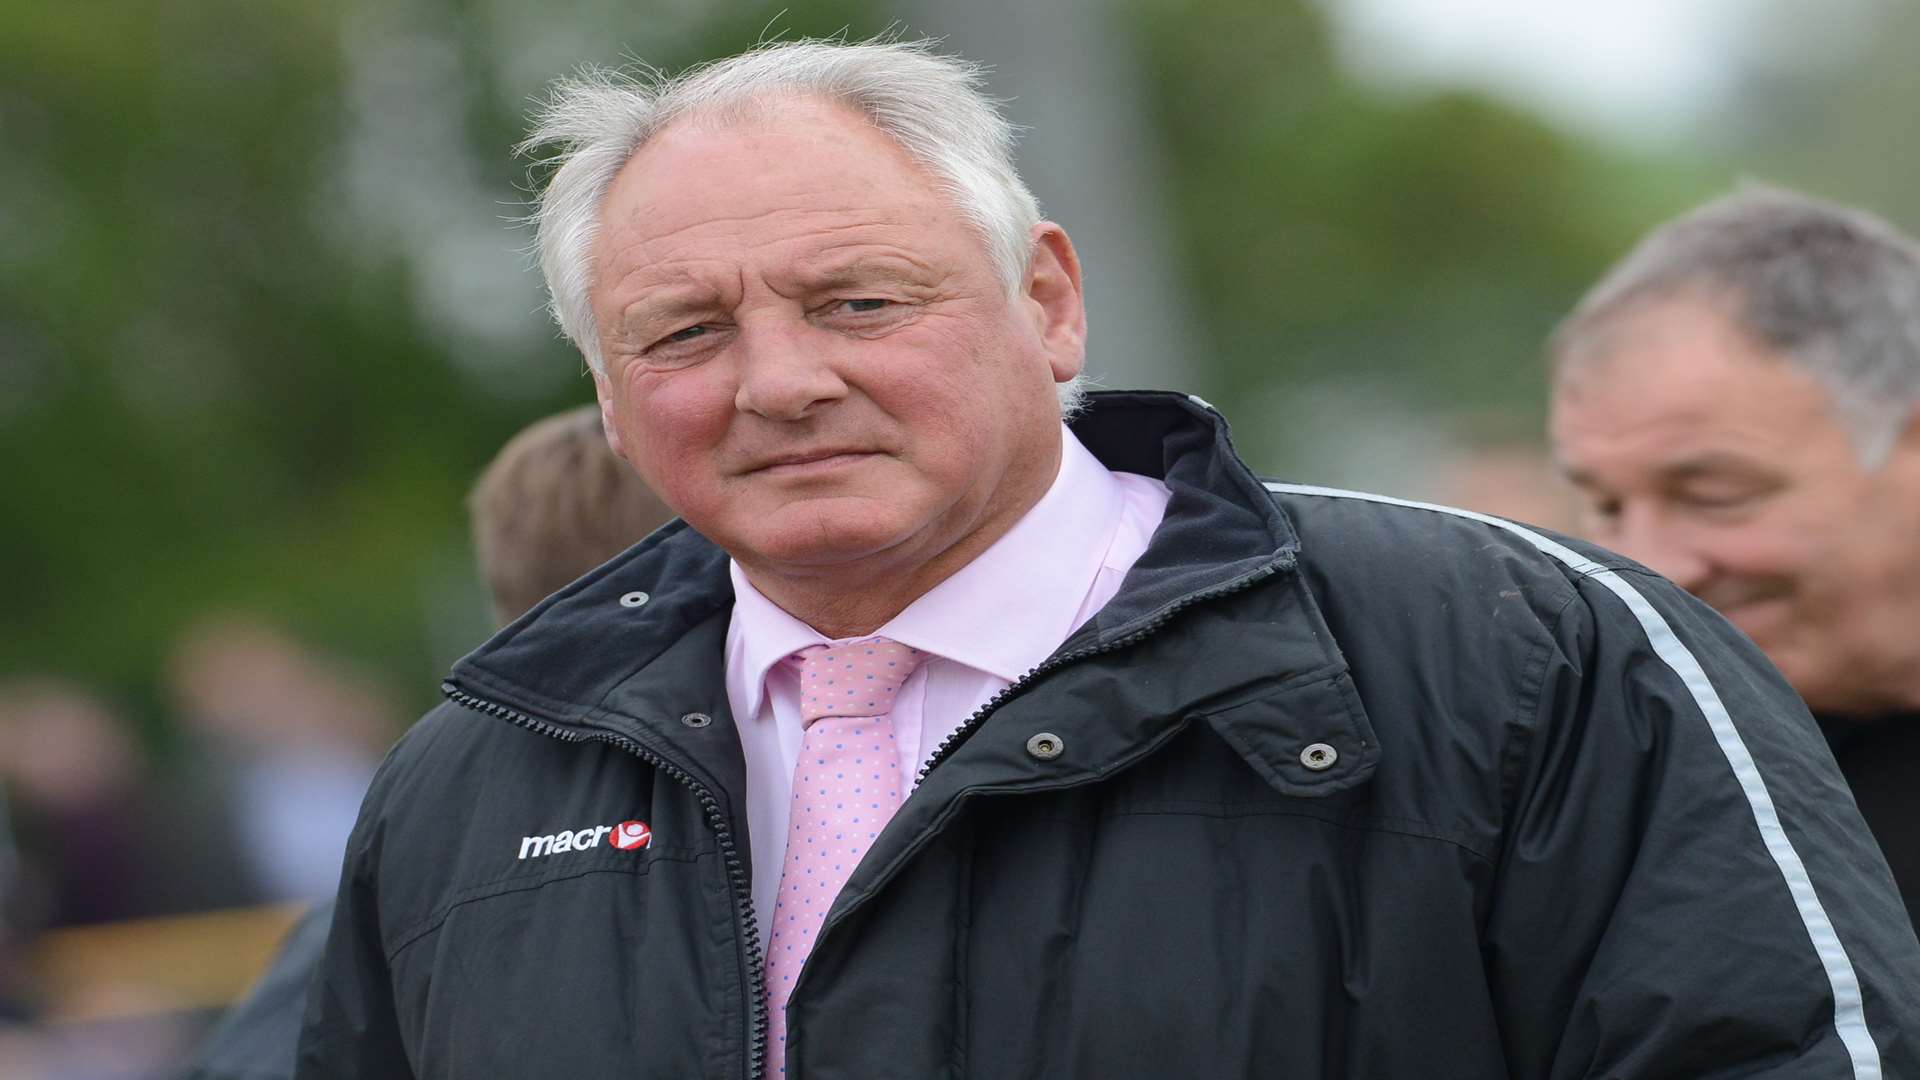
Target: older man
[[1739, 403], [955, 742]]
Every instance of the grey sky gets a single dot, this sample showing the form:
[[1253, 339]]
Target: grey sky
[[1642, 71]]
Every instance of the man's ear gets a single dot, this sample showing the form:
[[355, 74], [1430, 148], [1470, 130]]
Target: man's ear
[[1052, 293], [603, 390]]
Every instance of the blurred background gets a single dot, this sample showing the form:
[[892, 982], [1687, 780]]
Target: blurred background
[[264, 314]]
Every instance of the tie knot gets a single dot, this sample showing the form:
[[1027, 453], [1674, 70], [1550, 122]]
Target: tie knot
[[860, 679]]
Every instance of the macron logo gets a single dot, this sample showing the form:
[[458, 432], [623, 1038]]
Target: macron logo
[[627, 836]]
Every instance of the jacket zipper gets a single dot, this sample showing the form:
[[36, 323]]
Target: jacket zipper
[[744, 915], [1060, 660], [736, 871]]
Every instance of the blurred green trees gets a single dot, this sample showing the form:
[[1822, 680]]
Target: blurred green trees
[[1824, 99], [262, 316], [1373, 253]]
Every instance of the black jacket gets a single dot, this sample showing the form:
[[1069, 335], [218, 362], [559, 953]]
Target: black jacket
[[1881, 761], [1344, 789]]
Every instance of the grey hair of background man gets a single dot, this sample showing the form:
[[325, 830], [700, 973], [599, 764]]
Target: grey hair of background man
[[932, 105], [1831, 289]]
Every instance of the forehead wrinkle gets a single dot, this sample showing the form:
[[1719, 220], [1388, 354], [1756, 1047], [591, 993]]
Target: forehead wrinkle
[[653, 310], [862, 261], [658, 256], [668, 286], [869, 215], [828, 258]]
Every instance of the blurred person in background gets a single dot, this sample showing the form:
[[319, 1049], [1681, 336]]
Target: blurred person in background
[[1509, 479], [1738, 404], [96, 840], [553, 504], [253, 806], [1160, 770], [74, 776], [289, 738]]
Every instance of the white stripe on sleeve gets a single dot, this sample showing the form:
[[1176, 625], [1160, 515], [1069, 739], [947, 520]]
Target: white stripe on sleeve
[[1849, 1013]]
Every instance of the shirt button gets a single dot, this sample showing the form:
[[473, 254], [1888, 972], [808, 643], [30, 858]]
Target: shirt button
[[1046, 746], [1319, 757]]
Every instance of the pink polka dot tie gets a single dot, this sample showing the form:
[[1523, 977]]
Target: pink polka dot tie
[[846, 786]]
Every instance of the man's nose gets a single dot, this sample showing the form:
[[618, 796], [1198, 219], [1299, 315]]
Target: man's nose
[[1648, 536], [787, 369]]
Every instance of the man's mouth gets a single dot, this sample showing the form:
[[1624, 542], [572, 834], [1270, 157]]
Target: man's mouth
[[805, 461]]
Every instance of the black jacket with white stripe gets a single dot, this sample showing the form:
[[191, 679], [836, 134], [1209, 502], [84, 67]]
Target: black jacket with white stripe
[[1345, 789]]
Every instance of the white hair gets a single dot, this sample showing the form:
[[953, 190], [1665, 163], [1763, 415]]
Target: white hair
[[1833, 290], [933, 106]]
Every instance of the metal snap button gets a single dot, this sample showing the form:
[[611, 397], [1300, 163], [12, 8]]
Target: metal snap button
[[1046, 746], [696, 719], [634, 599], [1319, 756]]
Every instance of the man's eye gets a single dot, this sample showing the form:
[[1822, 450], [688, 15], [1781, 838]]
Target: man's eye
[[865, 304], [1603, 510], [1720, 500], [685, 346], [687, 334]]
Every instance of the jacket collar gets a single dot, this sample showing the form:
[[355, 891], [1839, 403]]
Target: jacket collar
[[637, 644]]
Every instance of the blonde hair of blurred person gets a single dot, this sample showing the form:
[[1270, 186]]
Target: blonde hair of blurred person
[[553, 504]]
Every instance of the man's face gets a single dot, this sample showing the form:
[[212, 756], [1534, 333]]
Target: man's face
[[811, 356], [1705, 456]]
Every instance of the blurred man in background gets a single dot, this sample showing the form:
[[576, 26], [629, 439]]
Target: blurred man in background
[[553, 504], [1043, 748], [1738, 403]]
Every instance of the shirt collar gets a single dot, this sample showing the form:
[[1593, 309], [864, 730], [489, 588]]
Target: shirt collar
[[1002, 613], [760, 635], [1006, 611]]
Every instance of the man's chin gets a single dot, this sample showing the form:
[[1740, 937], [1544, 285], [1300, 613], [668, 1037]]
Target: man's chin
[[821, 546]]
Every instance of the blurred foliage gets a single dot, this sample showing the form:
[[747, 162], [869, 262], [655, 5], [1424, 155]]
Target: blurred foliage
[[1418, 246], [1821, 96], [220, 384], [262, 319]]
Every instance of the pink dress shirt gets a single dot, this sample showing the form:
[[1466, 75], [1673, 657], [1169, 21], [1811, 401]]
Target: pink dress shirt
[[990, 623]]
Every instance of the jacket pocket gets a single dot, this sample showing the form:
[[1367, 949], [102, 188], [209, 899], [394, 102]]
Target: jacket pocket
[[578, 972]]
